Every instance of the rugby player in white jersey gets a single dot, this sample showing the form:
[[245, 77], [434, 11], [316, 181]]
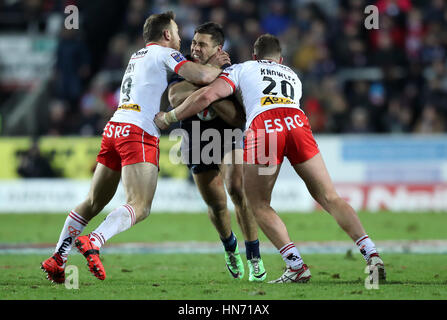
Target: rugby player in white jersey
[[129, 147], [277, 127], [225, 169]]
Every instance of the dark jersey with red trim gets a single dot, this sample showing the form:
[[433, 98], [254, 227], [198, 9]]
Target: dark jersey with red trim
[[194, 141], [208, 115]]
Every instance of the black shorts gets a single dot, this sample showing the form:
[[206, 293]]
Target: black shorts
[[205, 143]]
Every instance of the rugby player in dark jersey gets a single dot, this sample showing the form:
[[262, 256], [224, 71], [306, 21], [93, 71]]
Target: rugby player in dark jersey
[[212, 149]]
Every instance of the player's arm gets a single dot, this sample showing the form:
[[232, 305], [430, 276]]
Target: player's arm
[[197, 73], [164, 101], [202, 98], [204, 74], [195, 103], [179, 91], [229, 111]]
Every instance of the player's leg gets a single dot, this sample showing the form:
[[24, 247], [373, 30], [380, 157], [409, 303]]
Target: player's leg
[[103, 187], [232, 171], [211, 187], [315, 175], [139, 181], [258, 190], [137, 153], [264, 150], [317, 179]]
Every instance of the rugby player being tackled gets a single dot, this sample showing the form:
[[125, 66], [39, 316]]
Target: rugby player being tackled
[[276, 127], [224, 166]]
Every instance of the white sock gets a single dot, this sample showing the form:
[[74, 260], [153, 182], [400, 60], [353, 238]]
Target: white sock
[[291, 256], [119, 220], [74, 224], [366, 246]]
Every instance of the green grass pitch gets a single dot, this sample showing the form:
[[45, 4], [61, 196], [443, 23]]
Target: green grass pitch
[[203, 276]]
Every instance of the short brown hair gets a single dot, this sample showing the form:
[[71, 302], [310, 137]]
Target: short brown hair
[[155, 24], [267, 45], [214, 30]]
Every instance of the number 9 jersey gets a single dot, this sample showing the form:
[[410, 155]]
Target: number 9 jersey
[[263, 85], [144, 82]]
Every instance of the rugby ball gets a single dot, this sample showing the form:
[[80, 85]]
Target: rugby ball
[[207, 114]]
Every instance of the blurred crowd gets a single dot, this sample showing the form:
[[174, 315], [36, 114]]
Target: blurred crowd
[[355, 80]]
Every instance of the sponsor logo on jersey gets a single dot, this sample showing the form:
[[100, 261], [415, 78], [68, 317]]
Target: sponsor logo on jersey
[[178, 56], [116, 131], [265, 101], [133, 107], [139, 54]]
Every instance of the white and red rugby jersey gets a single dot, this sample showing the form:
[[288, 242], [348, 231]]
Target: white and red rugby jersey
[[263, 85], [144, 82]]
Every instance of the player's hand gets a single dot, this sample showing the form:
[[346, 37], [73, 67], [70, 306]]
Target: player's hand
[[160, 121], [219, 59]]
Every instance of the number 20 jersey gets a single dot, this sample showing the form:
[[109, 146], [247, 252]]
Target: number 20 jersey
[[144, 82], [263, 85]]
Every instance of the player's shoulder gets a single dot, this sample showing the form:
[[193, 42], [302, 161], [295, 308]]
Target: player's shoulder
[[163, 49], [153, 49], [169, 52], [239, 66], [148, 51], [251, 65], [248, 64], [273, 64], [140, 53], [285, 68], [171, 56]]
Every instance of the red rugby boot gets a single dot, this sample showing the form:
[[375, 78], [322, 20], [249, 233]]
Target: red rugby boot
[[54, 267], [91, 253]]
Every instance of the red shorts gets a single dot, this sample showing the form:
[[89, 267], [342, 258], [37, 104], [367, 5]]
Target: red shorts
[[279, 132], [124, 143]]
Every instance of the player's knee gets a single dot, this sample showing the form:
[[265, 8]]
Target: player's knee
[[217, 208], [236, 194], [258, 208], [328, 199], [93, 205], [142, 209], [142, 213]]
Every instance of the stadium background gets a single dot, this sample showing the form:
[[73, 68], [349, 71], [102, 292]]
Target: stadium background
[[376, 100]]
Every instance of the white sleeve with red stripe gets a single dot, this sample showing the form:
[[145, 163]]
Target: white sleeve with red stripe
[[231, 76], [173, 59]]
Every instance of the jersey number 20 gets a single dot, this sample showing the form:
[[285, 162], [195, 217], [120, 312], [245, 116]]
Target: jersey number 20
[[286, 88]]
